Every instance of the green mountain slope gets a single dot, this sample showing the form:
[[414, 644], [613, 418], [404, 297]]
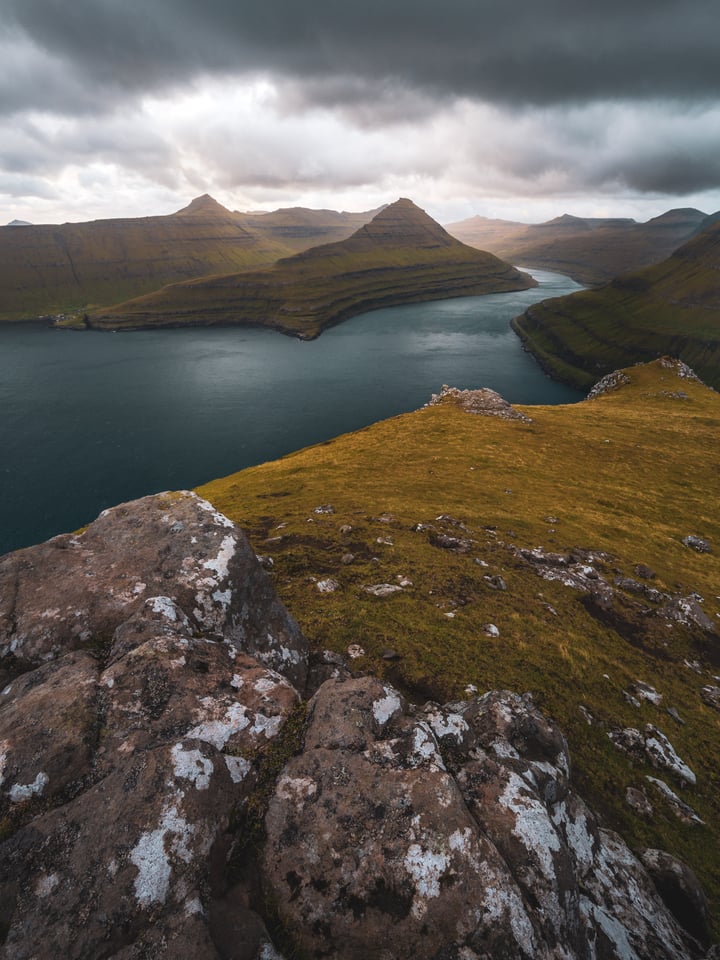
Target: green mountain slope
[[565, 534], [591, 251], [55, 269], [670, 308], [401, 256]]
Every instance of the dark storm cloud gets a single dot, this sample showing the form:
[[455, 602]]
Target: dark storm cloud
[[522, 52]]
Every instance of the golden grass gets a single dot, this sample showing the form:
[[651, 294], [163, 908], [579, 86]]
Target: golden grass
[[629, 474]]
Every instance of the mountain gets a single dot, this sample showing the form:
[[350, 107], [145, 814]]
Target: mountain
[[60, 269], [299, 228], [591, 251], [401, 256], [671, 308], [19, 223], [53, 269], [492, 730]]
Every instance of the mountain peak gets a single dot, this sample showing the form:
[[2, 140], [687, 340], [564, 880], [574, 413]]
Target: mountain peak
[[403, 221], [203, 206]]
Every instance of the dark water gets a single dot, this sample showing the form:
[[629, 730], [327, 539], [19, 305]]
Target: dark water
[[92, 419]]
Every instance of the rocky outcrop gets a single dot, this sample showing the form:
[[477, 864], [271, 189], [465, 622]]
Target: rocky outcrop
[[171, 556], [485, 402], [165, 793], [449, 831]]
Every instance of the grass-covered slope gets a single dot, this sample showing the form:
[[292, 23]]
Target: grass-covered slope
[[441, 503], [401, 256], [591, 251], [55, 269], [670, 308]]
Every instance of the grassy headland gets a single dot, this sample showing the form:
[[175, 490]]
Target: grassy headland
[[441, 503], [72, 267]]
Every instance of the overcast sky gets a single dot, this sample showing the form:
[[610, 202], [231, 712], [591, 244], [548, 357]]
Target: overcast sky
[[523, 109]]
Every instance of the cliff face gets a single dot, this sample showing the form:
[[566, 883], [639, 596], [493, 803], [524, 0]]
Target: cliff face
[[401, 256], [672, 308], [165, 792]]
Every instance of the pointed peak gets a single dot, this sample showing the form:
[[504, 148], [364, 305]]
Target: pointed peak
[[203, 206], [405, 221]]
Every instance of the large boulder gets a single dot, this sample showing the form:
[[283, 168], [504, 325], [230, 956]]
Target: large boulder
[[450, 832], [75, 590], [141, 706]]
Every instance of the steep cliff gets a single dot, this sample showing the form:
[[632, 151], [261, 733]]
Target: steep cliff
[[671, 308]]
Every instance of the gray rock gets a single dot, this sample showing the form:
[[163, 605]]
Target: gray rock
[[123, 765], [697, 543], [682, 810], [382, 589], [328, 585], [75, 590], [414, 859], [652, 746], [484, 402], [496, 582], [680, 889], [711, 696], [639, 802], [609, 383]]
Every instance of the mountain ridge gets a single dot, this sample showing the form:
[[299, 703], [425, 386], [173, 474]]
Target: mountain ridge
[[590, 250], [52, 269], [401, 256]]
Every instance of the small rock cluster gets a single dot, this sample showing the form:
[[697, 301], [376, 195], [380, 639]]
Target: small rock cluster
[[485, 402]]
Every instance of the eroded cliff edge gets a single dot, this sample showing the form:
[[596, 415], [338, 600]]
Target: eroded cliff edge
[[179, 777]]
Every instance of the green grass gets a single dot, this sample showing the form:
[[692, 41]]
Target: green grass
[[629, 474]]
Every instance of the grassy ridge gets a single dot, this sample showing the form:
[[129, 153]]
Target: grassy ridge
[[401, 256], [671, 308], [629, 474]]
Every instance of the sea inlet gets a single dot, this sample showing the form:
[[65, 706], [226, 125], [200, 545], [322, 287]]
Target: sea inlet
[[92, 419]]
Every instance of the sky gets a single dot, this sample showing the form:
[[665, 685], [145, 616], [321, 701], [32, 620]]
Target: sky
[[521, 109]]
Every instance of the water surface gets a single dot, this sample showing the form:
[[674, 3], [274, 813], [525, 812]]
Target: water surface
[[91, 419]]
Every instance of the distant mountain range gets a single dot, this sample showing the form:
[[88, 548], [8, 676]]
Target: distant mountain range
[[591, 251], [670, 308], [401, 256], [51, 269]]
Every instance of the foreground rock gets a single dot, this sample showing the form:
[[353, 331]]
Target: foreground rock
[[132, 729], [450, 832], [75, 591], [150, 723]]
